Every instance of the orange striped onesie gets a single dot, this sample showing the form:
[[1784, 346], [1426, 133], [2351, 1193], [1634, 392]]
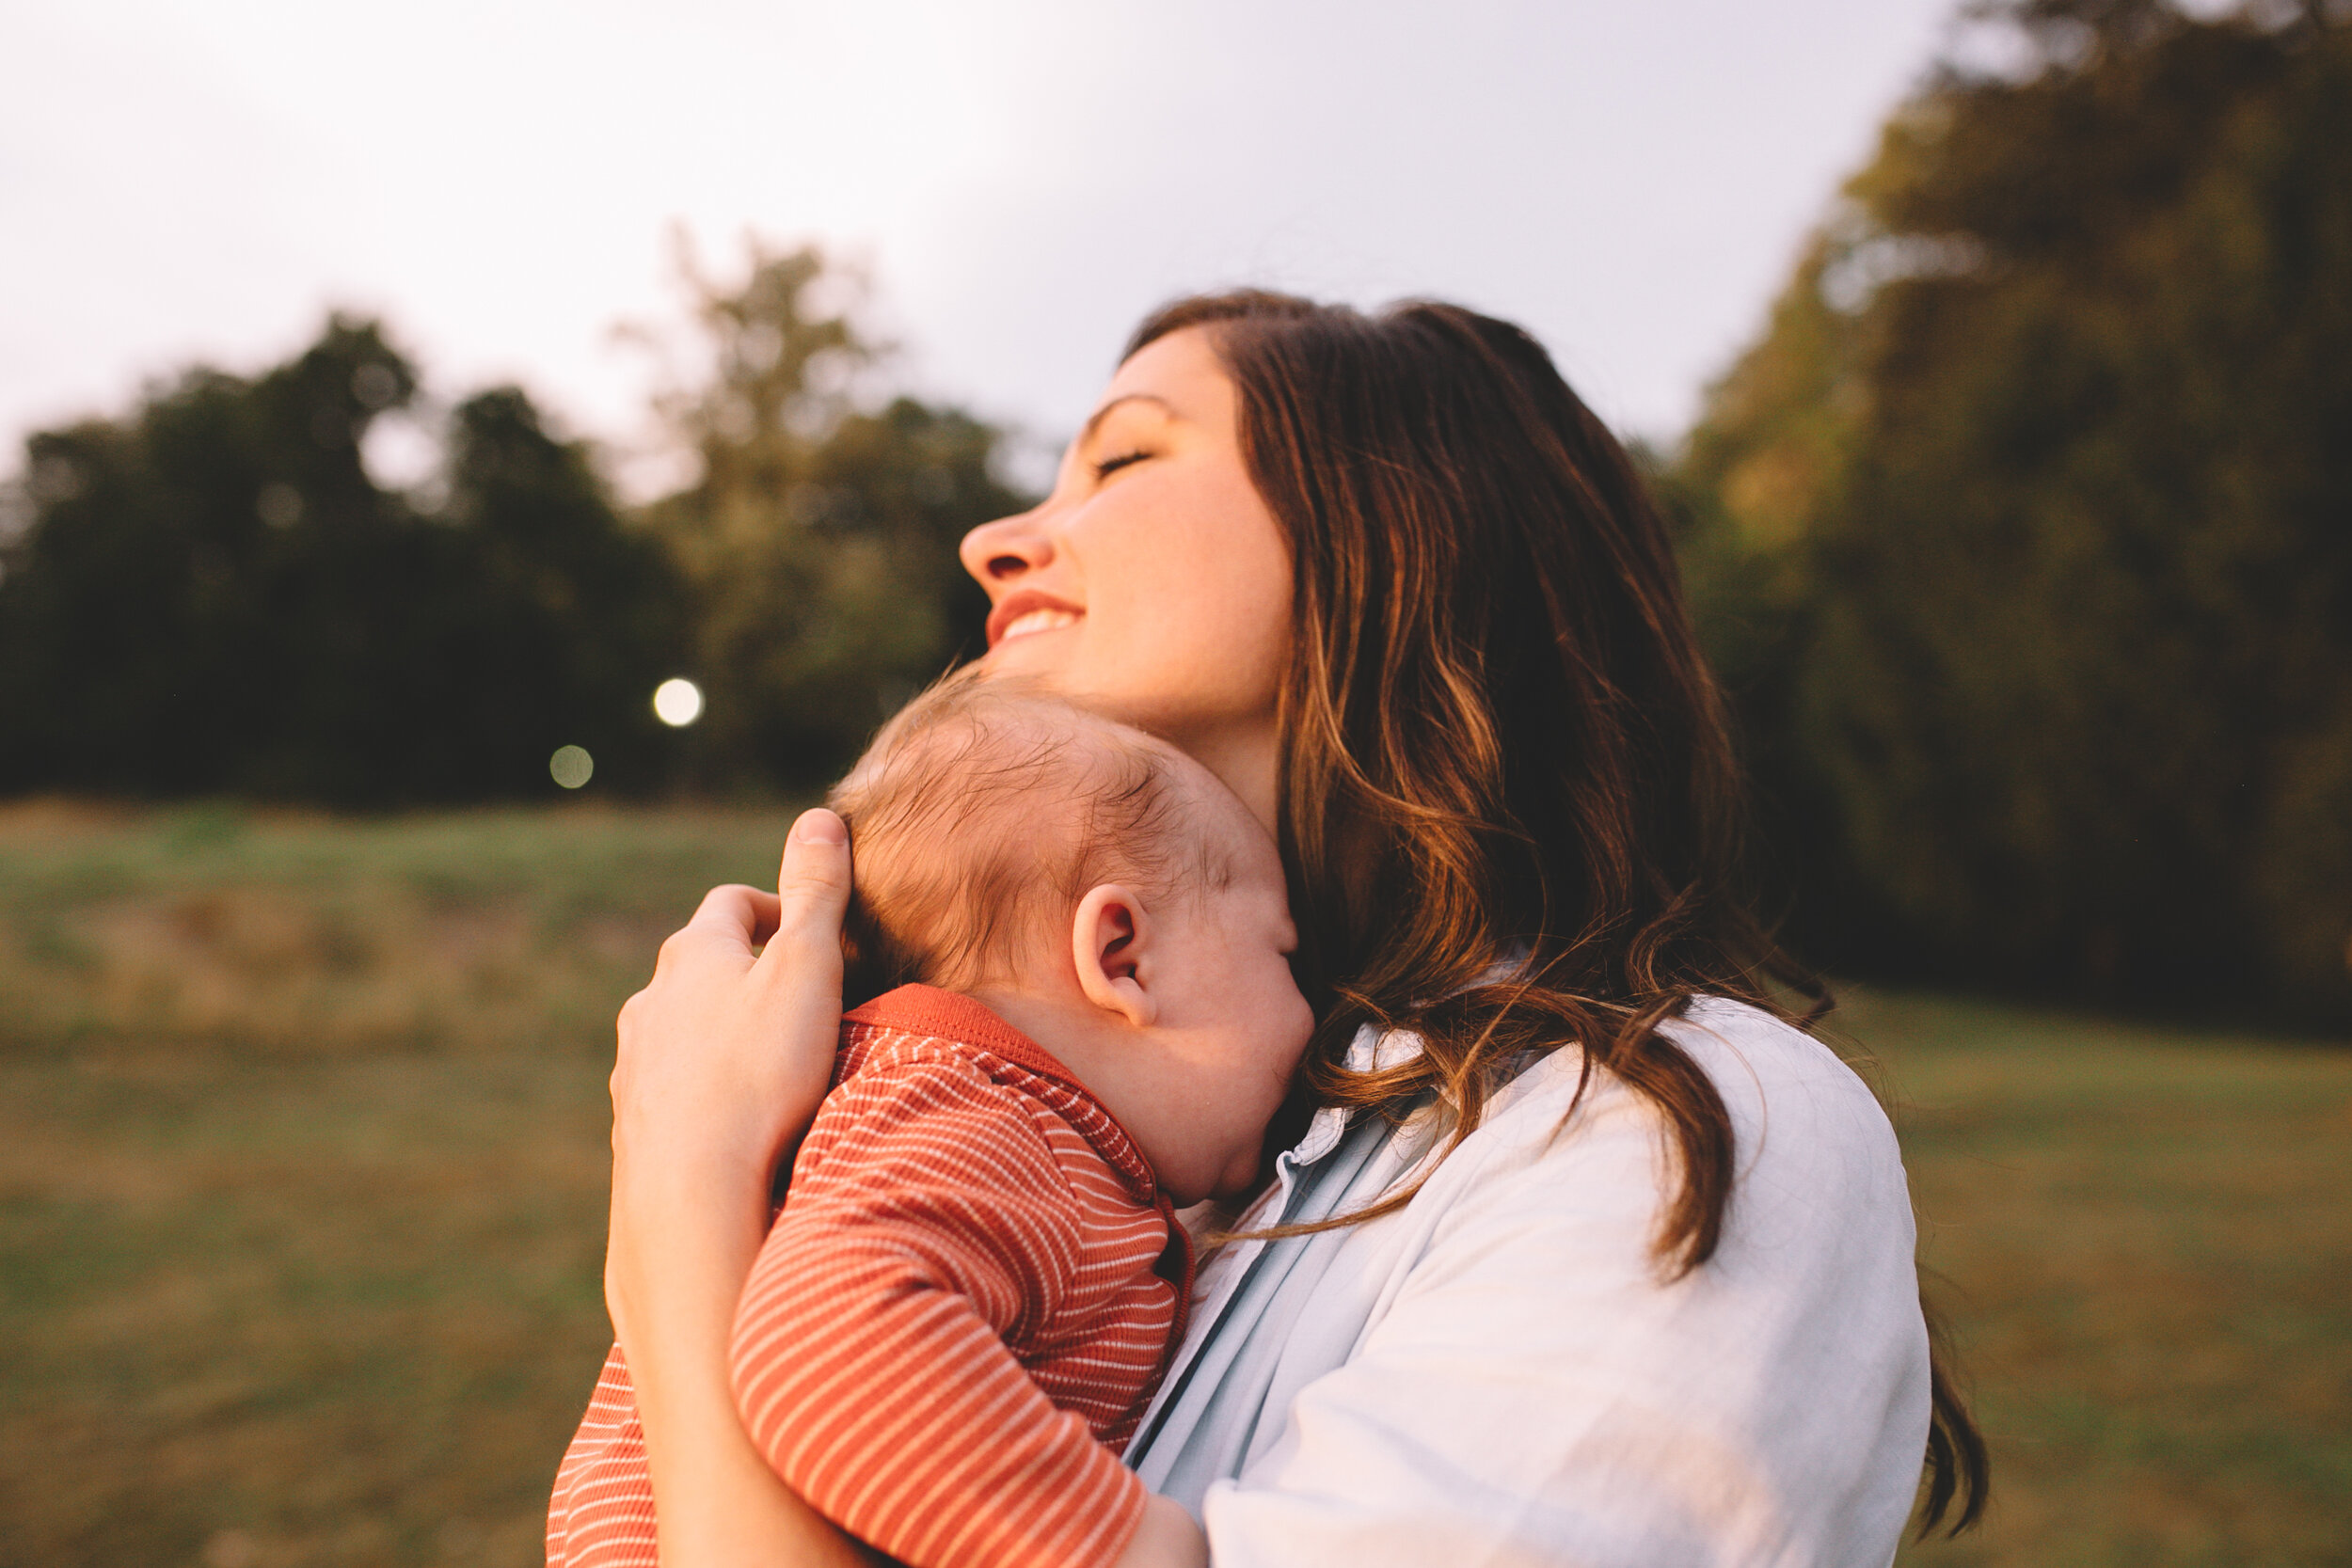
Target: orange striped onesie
[[956, 1321]]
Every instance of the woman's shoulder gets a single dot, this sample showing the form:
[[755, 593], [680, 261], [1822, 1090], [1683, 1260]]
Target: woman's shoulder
[[1768, 1068], [1811, 1143], [1770, 1073]]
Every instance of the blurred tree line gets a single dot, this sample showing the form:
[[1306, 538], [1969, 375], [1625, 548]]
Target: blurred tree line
[[2024, 534], [2023, 537], [213, 593]]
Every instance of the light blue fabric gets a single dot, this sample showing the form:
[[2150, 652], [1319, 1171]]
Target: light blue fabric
[[1499, 1373], [1220, 1389]]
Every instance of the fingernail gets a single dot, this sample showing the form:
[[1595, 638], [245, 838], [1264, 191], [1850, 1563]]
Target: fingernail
[[819, 827]]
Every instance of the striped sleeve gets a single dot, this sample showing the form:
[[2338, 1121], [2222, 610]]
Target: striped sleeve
[[927, 1222], [601, 1515]]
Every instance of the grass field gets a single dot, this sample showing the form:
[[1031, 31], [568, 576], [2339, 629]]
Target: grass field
[[301, 1205]]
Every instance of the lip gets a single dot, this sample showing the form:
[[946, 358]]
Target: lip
[[1026, 602]]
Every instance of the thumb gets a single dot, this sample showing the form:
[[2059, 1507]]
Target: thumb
[[813, 890]]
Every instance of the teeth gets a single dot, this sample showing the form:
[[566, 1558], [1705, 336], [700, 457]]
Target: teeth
[[1039, 620]]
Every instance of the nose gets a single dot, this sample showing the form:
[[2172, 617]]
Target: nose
[[1001, 553]]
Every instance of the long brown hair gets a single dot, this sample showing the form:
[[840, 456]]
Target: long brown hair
[[1500, 743]]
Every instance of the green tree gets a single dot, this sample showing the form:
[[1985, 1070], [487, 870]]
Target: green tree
[[211, 595], [2025, 532], [818, 539]]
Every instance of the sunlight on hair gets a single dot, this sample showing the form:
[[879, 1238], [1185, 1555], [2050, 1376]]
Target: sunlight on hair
[[678, 702], [571, 766]]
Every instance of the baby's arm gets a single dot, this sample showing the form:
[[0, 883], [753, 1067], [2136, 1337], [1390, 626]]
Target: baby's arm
[[601, 1515], [929, 1223]]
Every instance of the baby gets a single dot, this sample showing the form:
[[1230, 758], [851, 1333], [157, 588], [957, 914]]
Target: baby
[[975, 1279]]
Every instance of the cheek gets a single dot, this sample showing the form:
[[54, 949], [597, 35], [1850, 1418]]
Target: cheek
[[1282, 1011], [1225, 639], [1227, 603], [1256, 569], [1203, 628], [1302, 1022]]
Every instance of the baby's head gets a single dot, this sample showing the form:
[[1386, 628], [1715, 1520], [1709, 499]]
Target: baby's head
[[1100, 890]]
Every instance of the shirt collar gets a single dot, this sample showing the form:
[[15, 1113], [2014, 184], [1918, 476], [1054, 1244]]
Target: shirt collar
[[1373, 1050], [1376, 1050]]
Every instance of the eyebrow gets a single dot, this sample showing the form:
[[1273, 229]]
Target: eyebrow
[[1103, 413]]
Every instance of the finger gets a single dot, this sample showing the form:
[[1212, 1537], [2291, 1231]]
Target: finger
[[766, 912], [769, 912], [733, 917], [813, 883]]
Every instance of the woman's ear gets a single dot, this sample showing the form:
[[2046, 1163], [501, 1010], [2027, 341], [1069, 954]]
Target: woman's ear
[[1110, 937]]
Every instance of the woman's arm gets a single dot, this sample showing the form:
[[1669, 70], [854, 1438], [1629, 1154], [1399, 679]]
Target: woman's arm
[[723, 1059]]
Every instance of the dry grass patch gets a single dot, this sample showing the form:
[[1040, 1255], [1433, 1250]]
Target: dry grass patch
[[2149, 1240], [316, 1311], [293, 934]]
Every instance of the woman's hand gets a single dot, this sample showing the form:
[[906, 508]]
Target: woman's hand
[[725, 1053], [723, 1057]]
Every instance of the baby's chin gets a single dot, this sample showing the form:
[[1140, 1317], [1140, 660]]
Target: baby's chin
[[1239, 1180]]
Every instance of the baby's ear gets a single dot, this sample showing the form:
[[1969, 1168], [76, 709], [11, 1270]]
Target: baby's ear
[[1110, 939]]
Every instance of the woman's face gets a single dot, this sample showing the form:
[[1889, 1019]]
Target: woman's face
[[1153, 584]]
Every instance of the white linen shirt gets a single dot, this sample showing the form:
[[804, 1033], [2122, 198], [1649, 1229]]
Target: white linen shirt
[[1498, 1373]]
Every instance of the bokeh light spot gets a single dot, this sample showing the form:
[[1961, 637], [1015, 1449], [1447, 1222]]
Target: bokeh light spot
[[278, 505], [678, 702], [571, 766], [374, 385]]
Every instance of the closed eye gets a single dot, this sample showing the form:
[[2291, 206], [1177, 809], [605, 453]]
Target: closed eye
[[1110, 466]]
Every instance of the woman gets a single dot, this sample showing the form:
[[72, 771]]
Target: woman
[[1587, 1255]]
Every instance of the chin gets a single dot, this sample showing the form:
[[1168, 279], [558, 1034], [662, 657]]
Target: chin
[[1021, 656], [1239, 1182]]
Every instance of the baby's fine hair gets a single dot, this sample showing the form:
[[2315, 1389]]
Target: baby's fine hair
[[984, 811]]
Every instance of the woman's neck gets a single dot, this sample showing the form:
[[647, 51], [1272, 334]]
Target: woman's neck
[[1245, 759]]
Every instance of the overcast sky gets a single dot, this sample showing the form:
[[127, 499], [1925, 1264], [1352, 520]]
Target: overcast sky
[[1024, 177]]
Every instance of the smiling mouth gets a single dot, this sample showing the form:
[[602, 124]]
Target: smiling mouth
[[1036, 621]]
